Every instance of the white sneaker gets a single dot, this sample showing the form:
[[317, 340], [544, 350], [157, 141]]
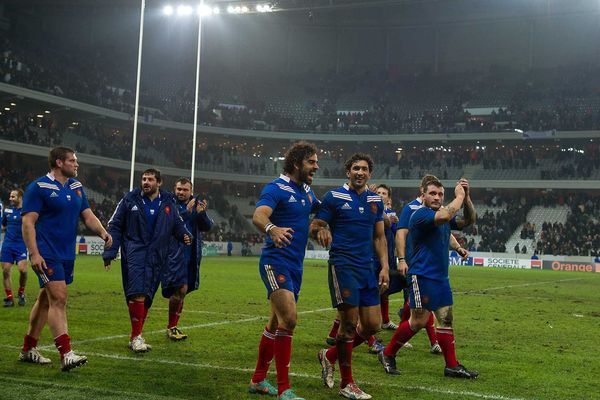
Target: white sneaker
[[139, 345], [436, 349], [71, 360], [327, 369], [351, 391], [33, 356], [389, 326]]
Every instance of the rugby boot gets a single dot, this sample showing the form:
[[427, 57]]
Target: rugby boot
[[460, 372]]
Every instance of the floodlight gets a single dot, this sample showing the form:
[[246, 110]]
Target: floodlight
[[259, 8], [12, 104], [245, 9], [183, 10], [230, 9], [168, 10], [216, 10], [204, 11]]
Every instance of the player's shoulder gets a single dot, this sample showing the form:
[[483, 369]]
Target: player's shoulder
[[74, 184], [373, 197], [340, 193]]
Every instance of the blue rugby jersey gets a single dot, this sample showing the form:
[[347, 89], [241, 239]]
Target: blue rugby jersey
[[59, 207], [407, 212], [292, 205], [351, 218], [11, 220], [430, 242], [390, 235]]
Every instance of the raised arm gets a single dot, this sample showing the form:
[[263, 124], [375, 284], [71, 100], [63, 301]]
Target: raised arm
[[469, 215], [445, 214]]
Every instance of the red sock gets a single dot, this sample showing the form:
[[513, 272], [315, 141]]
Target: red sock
[[372, 339], [21, 290], [430, 328], [29, 342], [334, 329], [266, 348], [137, 315], [283, 355], [445, 338], [385, 309], [400, 336], [63, 344], [405, 312], [174, 313], [344, 347], [9, 295]]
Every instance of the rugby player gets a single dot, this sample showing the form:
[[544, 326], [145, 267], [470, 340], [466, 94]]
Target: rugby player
[[52, 206], [282, 212], [13, 250]]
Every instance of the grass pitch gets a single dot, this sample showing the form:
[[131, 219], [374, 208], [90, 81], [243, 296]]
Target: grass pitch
[[531, 334]]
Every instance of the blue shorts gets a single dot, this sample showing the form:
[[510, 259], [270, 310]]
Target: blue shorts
[[140, 280], [13, 252], [57, 270], [429, 294], [281, 277], [354, 286]]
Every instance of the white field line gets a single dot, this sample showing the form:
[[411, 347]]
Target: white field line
[[132, 395], [307, 376], [251, 319]]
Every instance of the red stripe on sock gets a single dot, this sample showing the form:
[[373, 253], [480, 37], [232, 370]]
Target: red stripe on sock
[[266, 349]]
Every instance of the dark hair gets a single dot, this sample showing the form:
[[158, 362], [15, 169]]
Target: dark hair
[[430, 180], [58, 153], [296, 154], [152, 171], [359, 157], [386, 187], [19, 192], [184, 181]]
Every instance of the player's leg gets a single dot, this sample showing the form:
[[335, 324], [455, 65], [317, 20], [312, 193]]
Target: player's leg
[[6, 269], [175, 308], [433, 342], [37, 319], [283, 304], [22, 265], [266, 350], [445, 335], [333, 331]]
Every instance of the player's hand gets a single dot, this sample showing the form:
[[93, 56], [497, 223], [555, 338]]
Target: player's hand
[[384, 280], [402, 267], [324, 237], [281, 237], [393, 218], [187, 239], [38, 264], [372, 187], [459, 191], [107, 240], [107, 262], [201, 206], [465, 184], [463, 253]]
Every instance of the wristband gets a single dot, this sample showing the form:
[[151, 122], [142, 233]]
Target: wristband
[[268, 227], [401, 259]]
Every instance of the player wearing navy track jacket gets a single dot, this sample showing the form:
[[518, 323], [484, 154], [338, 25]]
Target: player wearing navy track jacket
[[351, 220], [282, 212], [13, 250], [182, 274], [142, 226], [430, 230], [52, 206]]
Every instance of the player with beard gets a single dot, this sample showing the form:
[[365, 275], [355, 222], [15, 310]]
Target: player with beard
[[14, 250], [282, 212], [182, 275], [430, 291], [142, 226], [350, 219], [52, 206]]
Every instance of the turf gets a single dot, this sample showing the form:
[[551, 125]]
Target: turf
[[531, 334]]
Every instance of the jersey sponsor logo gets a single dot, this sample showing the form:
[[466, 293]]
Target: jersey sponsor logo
[[134, 208], [303, 202], [23, 254], [361, 209], [69, 197], [292, 199], [374, 208], [54, 194], [346, 206]]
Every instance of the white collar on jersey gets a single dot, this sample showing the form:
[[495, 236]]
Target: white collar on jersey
[[285, 178], [346, 186], [420, 200], [51, 175]]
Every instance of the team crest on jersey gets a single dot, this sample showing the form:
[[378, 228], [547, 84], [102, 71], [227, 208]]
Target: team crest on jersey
[[374, 208], [361, 209], [281, 278], [346, 292], [78, 192], [167, 210]]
